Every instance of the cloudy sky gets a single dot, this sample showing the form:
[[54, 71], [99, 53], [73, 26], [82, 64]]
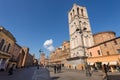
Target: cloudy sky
[[48, 44], [43, 24]]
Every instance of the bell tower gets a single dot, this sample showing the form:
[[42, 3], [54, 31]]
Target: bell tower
[[80, 31]]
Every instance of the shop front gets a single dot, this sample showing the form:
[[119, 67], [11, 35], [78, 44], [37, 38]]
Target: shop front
[[4, 59], [111, 61]]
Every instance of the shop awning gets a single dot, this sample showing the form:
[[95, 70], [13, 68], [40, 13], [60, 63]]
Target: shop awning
[[113, 63], [90, 63], [105, 63]]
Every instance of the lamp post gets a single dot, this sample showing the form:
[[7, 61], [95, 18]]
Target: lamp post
[[81, 31], [40, 51]]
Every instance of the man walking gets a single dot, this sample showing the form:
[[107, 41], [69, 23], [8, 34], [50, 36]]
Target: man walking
[[10, 70], [55, 68], [104, 68]]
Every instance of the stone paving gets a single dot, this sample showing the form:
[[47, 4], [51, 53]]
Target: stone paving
[[74, 76], [43, 74], [18, 74], [80, 75], [31, 73]]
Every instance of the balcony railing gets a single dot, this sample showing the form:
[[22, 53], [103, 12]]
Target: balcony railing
[[5, 53]]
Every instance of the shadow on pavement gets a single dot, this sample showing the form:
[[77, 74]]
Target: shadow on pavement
[[54, 78], [114, 77]]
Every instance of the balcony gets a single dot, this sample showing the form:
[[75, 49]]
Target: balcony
[[5, 54]]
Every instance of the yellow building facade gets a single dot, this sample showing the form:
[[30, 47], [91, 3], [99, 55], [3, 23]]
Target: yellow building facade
[[105, 51], [42, 59], [60, 55], [11, 54]]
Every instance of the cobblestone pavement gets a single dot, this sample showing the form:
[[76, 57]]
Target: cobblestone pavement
[[80, 75]]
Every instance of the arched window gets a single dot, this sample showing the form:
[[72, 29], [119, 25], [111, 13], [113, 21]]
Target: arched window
[[71, 15], [73, 12], [1, 43], [82, 12], [64, 47], [78, 11], [90, 53], [80, 22], [8, 47], [84, 23], [4, 47]]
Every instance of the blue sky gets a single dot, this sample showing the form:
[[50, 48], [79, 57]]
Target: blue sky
[[35, 23]]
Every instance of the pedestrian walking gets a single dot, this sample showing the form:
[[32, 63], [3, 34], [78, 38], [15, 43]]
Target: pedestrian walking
[[104, 68], [55, 68], [59, 68], [37, 66], [10, 72]]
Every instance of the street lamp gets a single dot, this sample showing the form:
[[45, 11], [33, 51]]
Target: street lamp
[[87, 71], [40, 51]]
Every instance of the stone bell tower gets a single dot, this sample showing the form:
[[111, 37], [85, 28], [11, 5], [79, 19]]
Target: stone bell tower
[[80, 31]]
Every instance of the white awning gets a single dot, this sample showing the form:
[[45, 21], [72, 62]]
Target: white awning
[[90, 63], [104, 63], [113, 63]]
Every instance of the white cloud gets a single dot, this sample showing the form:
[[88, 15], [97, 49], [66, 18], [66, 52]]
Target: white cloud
[[48, 44]]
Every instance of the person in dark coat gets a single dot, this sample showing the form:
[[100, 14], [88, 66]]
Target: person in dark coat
[[10, 70], [55, 68], [38, 66], [105, 69], [59, 68]]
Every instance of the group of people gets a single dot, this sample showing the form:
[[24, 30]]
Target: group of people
[[57, 68]]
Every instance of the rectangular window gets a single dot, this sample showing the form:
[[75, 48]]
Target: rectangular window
[[98, 52], [108, 53], [90, 54]]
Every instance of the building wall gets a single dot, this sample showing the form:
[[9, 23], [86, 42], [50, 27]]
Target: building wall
[[95, 52], [25, 52], [103, 36], [42, 58], [12, 54], [56, 56], [111, 47], [61, 54], [15, 55], [7, 42], [29, 60], [16, 51], [109, 52], [65, 45], [20, 58]]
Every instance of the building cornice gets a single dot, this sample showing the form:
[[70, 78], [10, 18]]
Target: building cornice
[[105, 32], [2, 29], [103, 56], [104, 42]]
